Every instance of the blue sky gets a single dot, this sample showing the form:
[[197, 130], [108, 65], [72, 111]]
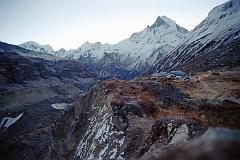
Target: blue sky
[[69, 23]]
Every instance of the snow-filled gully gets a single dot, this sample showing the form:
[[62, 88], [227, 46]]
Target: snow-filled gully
[[101, 140]]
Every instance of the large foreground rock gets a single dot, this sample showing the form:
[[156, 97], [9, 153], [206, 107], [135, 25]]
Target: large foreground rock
[[215, 144]]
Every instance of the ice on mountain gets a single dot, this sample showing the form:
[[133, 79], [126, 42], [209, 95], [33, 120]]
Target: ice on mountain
[[60, 106]]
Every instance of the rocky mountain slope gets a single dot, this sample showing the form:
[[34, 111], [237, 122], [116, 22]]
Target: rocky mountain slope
[[33, 92], [214, 40], [5, 47], [145, 118], [18, 65], [152, 117], [26, 81]]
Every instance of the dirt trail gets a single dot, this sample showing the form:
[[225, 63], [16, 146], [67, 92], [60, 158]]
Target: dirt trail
[[226, 85], [210, 92]]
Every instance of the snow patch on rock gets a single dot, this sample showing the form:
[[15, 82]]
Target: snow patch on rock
[[8, 121], [60, 106], [181, 135], [102, 140]]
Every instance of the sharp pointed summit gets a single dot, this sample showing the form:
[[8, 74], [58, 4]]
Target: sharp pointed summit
[[165, 22], [159, 22]]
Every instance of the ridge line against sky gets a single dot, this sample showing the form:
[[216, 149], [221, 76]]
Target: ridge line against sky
[[69, 23]]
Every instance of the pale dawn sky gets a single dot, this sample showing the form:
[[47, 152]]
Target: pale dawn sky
[[69, 23]]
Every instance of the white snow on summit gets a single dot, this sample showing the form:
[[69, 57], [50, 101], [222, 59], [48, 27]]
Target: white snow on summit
[[90, 49], [138, 50], [164, 33], [221, 26], [31, 45], [222, 21]]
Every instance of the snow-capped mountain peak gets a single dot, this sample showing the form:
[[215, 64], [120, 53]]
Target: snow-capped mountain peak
[[164, 31], [163, 21], [88, 45], [34, 46], [62, 50], [166, 22], [229, 7], [134, 53], [221, 21], [87, 49], [158, 22], [220, 27]]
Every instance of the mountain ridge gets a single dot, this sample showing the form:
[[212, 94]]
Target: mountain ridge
[[221, 27], [133, 55], [85, 47]]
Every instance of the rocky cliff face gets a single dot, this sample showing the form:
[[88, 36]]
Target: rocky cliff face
[[211, 145], [148, 118]]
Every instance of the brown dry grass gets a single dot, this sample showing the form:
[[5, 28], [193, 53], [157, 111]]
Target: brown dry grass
[[209, 86]]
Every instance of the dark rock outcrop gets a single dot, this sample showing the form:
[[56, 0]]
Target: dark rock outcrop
[[218, 143]]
